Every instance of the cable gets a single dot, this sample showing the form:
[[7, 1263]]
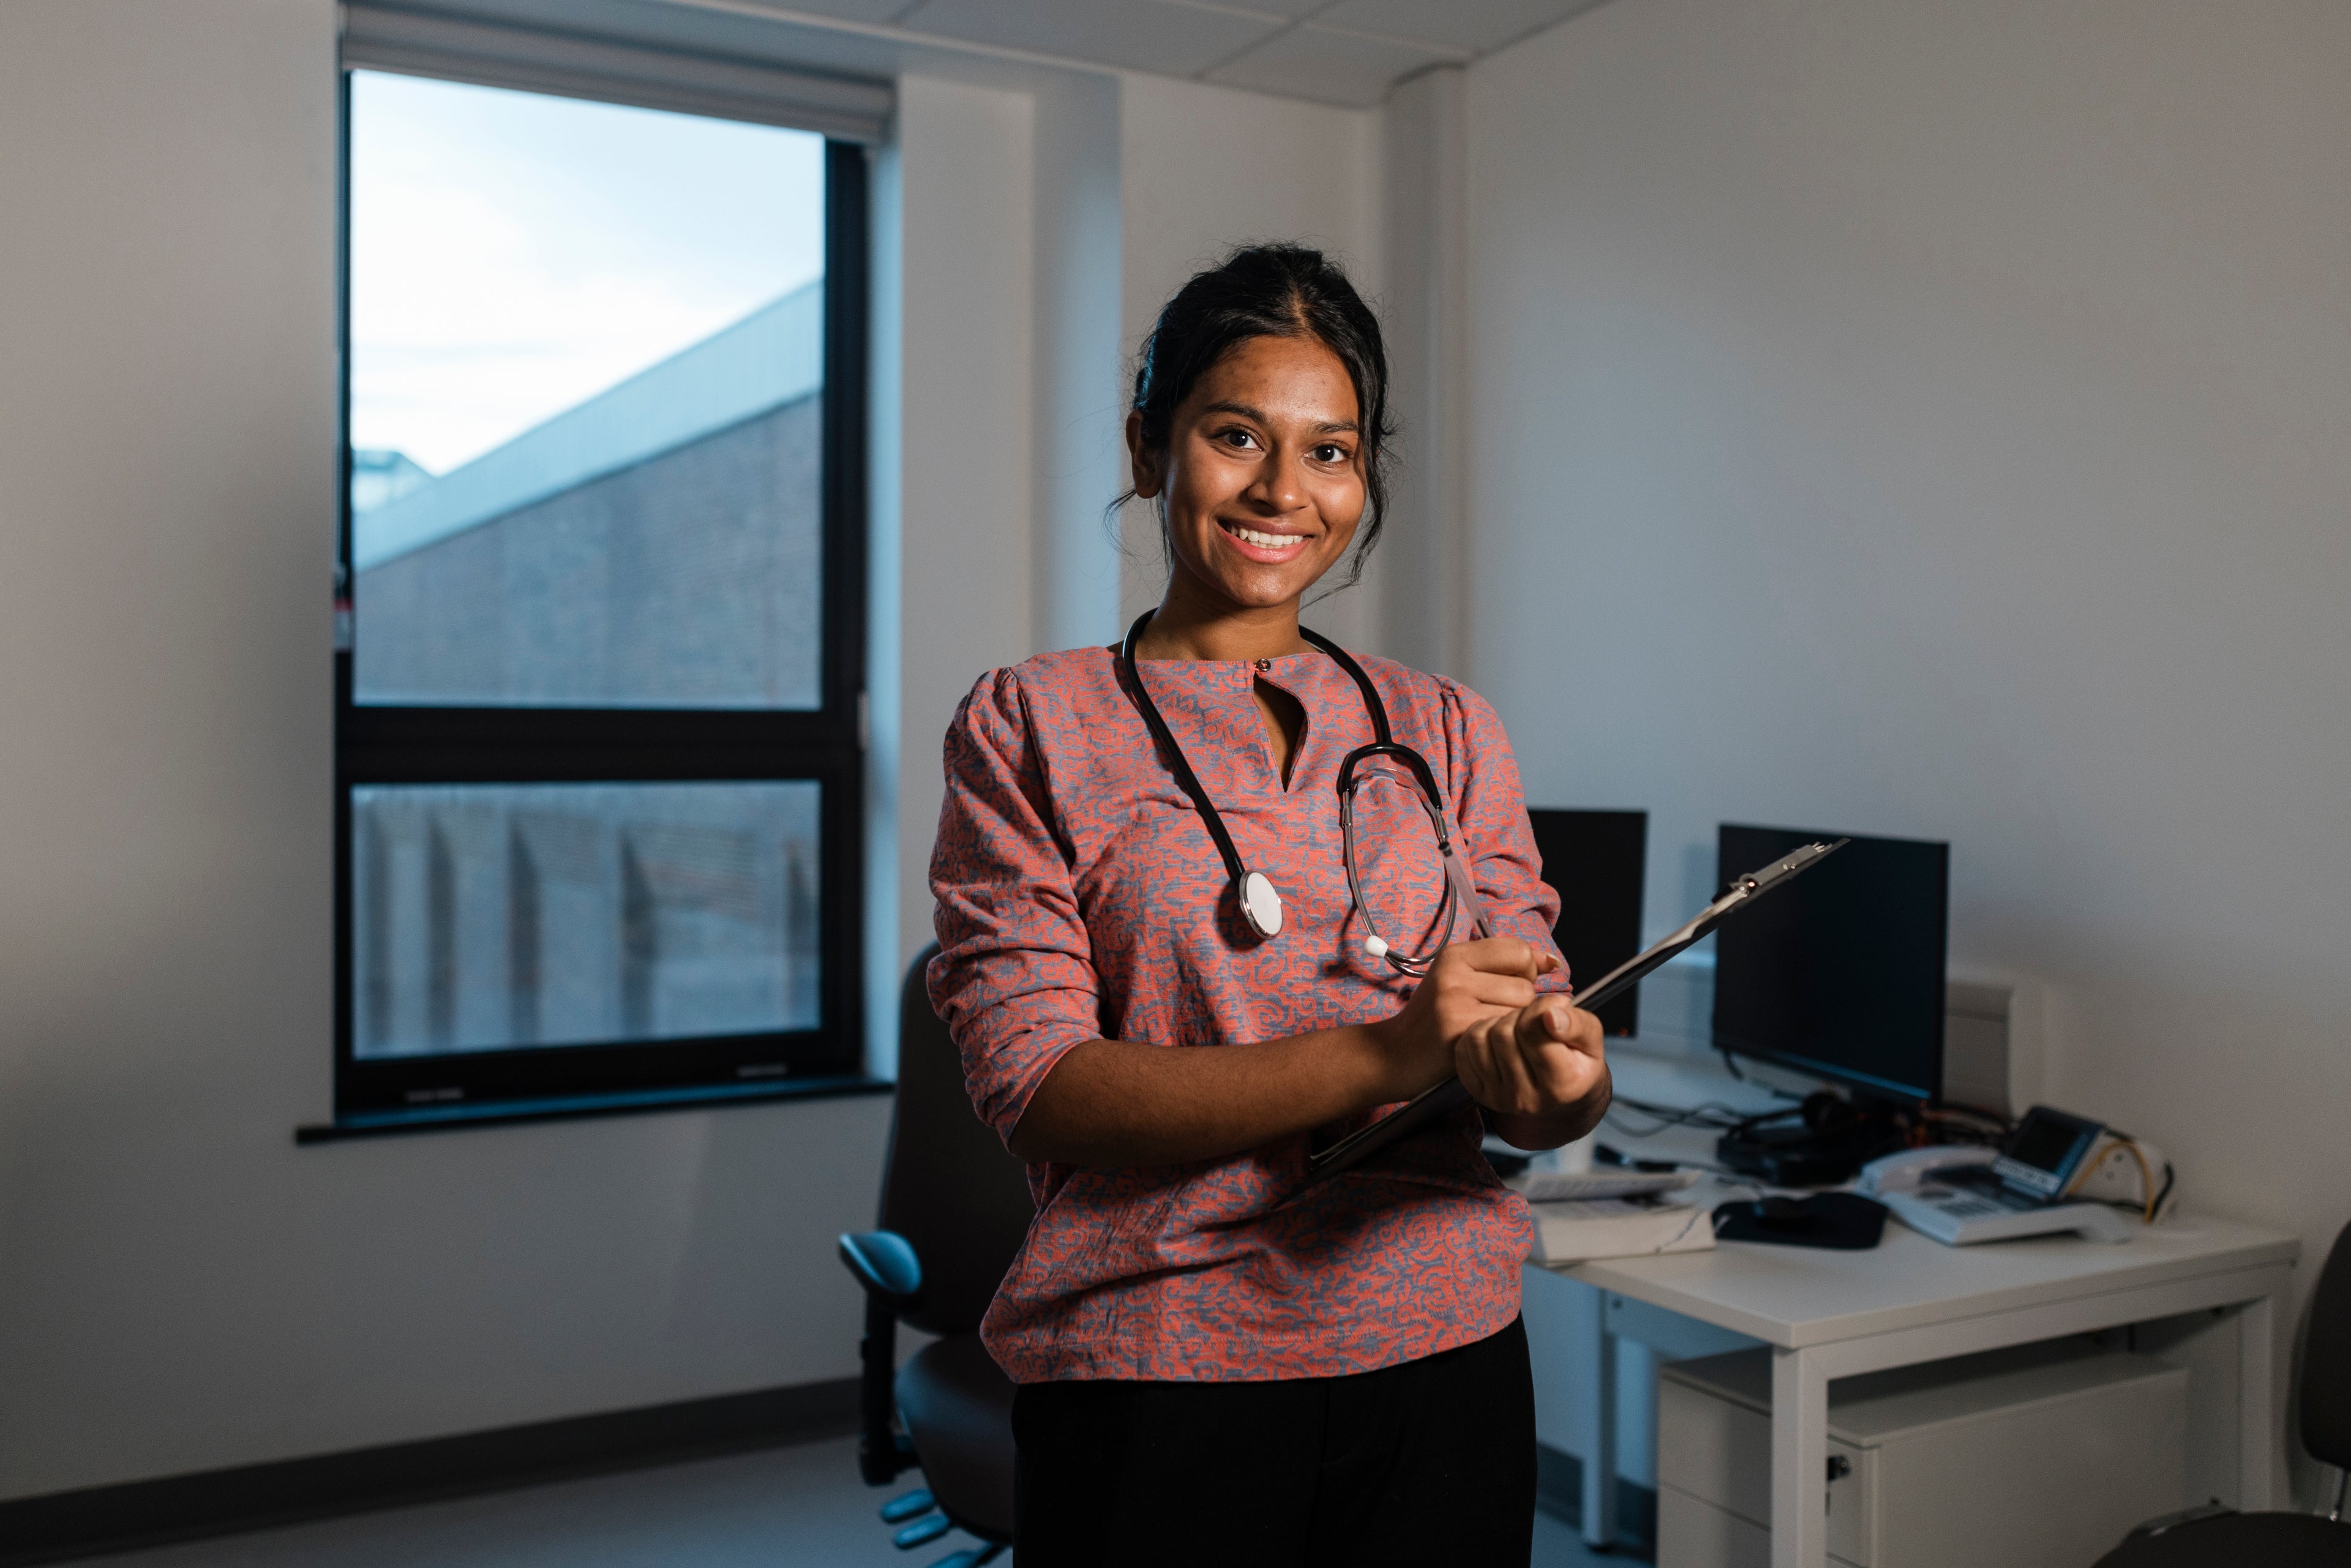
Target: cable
[[1713, 1115], [2124, 1144], [1697, 1214], [2146, 1182], [1710, 1112], [1613, 1117]]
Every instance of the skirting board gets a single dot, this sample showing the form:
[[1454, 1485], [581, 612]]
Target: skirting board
[[87, 1523], [1558, 1492]]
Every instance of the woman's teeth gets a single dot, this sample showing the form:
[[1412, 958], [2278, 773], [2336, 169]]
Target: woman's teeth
[[1265, 541]]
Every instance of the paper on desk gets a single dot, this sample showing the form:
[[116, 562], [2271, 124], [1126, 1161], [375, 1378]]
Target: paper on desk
[[1639, 1227], [1554, 1186]]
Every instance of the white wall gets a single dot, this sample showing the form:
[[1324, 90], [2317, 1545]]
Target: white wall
[[1423, 611], [966, 156], [181, 1287], [1205, 169], [1079, 439], [1929, 419], [1049, 216]]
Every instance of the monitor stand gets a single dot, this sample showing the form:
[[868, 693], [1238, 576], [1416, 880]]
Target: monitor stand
[[1823, 1143]]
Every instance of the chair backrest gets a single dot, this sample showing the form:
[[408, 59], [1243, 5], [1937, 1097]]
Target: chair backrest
[[2326, 1361], [950, 1186]]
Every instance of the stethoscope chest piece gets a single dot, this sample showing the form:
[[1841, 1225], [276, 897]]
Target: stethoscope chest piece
[[1261, 903]]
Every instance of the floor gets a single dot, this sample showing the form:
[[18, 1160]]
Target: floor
[[795, 1507]]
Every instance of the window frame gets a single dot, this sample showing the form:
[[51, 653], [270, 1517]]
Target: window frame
[[380, 744]]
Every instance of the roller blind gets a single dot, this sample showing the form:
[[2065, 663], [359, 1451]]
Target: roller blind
[[494, 55]]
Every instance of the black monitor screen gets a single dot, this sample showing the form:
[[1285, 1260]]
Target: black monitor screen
[[1597, 862], [1840, 972]]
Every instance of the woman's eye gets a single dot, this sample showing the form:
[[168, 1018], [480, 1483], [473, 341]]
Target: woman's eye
[[1239, 439], [1328, 453]]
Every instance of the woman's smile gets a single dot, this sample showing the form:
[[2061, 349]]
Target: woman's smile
[[1260, 543]]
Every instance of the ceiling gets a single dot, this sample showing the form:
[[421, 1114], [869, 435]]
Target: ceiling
[[1333, 51]]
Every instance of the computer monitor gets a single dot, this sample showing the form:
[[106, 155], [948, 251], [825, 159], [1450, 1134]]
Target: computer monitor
[[1840, 972], [1597, 862]]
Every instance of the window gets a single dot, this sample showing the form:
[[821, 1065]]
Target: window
[[599, 652]]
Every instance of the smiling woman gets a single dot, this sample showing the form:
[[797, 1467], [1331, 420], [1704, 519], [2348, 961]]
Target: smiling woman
[[1219, 1360]]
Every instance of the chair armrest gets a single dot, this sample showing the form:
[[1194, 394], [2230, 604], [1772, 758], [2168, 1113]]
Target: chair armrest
[[883, 1262], [2168, 1521]]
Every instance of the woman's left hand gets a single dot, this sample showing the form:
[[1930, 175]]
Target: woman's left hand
[[1543, 1062]]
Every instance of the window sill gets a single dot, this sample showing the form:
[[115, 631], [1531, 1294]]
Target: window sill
[[505, 1112]]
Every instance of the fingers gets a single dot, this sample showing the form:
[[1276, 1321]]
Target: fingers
[[1511, 991], [1555, 1020], [1562, 1048], [1545, 1055], [1504, 955], [1493, 1069], [1485, 974]]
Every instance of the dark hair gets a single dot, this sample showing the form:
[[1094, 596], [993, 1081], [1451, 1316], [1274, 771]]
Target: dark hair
[[1272, 291]]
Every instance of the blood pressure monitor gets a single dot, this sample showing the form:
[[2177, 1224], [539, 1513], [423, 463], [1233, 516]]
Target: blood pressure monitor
[[2045, 1152]]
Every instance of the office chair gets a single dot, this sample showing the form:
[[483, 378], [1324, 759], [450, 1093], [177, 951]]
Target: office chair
[[2219, 1538], [954, 1209]]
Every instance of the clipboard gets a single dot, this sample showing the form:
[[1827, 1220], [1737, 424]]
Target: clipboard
[[1434, 1105]]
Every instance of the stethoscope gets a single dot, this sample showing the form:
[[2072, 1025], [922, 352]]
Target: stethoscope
[[1260, 902]]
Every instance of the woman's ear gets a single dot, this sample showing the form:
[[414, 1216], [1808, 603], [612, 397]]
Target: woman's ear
[[1143, 465]]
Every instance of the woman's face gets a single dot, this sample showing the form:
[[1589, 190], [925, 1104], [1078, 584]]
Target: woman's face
[[1262, 479]]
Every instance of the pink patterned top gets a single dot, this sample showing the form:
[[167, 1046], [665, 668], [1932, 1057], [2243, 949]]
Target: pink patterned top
[[1080, 897]]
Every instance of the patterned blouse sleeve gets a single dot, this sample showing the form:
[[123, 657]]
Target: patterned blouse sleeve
[[1014, 979], [1498, 839]]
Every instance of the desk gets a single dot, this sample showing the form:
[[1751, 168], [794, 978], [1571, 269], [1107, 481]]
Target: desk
[[1828, 1316]]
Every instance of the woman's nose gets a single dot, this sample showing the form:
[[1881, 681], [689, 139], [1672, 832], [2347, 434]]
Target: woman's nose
[[1280, 485]]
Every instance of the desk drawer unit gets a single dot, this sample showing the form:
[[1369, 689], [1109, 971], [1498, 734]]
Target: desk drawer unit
[[2040, 1457]]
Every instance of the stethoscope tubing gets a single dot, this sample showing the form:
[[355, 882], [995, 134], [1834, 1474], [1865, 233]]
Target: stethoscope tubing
[[1459, 895]]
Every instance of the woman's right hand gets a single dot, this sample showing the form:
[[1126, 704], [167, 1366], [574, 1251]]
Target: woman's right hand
[[1469, 982]]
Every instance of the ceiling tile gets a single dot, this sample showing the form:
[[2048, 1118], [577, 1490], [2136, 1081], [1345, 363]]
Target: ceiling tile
[[876, 11], [1334, 68], [1286, 8], [1479, 25], [1141, 35]]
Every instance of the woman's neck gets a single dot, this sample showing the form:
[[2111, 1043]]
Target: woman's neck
[[1185, 628]]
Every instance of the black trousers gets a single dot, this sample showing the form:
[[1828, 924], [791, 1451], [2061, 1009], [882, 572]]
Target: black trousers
[[1431, 1462]]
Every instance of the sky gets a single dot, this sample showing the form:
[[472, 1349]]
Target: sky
[[512, 254]]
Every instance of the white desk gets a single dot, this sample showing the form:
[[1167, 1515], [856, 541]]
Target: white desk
[[1828, 1316]]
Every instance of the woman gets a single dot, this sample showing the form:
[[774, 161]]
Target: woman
[[1218, 1360]]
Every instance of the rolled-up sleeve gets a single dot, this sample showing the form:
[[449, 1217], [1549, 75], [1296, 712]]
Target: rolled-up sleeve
[[1499, 841], [1014, 979]]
